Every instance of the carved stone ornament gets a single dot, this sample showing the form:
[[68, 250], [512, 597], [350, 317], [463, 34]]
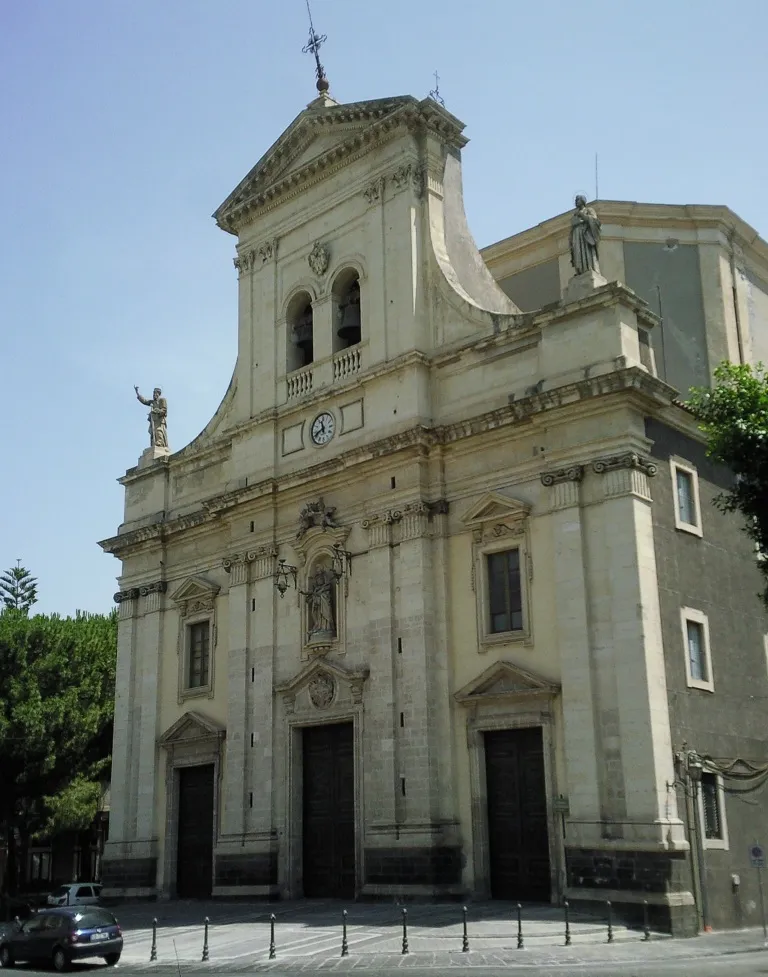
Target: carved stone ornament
[[319, 258], [159, 587], [374, 191], [316, 514], [574, 473], [408, 173], [322, 689], [246, 260], [630, 459]]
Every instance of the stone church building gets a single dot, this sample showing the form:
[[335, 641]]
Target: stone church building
[[437, 601]]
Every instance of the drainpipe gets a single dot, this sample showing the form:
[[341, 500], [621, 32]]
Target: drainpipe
[[735, 296]]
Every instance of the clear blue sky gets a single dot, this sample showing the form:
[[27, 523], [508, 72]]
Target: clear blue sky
[[126, 122]]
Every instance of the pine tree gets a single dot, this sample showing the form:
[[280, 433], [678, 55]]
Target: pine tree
[[18, 588]]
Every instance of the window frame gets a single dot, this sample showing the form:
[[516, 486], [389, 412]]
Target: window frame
[[186, 690], [510, 539], [679, 465], [690, 614], [713, 844]]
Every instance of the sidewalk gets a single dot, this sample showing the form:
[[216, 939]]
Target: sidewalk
[[309, 935]]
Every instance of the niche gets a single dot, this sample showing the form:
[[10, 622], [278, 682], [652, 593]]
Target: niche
[[346, 297], [300, 345]]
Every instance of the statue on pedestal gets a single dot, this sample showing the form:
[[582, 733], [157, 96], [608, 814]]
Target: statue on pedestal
[[320, 611], [158, 414], [584, 238]]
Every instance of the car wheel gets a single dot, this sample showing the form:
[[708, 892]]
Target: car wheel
[[111, 959], [6, 957], [60, 960]]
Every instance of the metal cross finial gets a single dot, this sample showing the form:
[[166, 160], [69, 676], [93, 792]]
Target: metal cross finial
[[435, 93], [313, 47]]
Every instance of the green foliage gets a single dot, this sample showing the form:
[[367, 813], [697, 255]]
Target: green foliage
[[18, 588], [57, 680], [734, 417]]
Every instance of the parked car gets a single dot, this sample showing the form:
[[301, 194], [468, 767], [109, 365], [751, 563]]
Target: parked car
[[63, 935], [76, 894]]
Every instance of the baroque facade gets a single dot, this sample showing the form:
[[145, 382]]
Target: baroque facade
[[421, 611]]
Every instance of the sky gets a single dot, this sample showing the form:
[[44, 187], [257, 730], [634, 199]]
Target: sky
[[125, 123]]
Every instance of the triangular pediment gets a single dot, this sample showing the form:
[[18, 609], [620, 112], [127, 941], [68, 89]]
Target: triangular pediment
[[320, 137], [195, 588], [305, 676], [505, 680], [495, 506], [192, 726]]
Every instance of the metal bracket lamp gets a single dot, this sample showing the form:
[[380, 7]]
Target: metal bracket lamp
[[341, 563], [283, 575]]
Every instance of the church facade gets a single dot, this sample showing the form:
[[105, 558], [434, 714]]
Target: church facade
[[397, 622]]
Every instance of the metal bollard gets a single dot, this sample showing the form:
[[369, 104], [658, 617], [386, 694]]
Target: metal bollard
[[405, 931], [567, 911], [520, 927], [610, 922], [344, 944], [646, 927], [465, 938], [272, 936], [205, 941], [153, 951]]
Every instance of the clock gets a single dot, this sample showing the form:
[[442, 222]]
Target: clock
[[323, 428]]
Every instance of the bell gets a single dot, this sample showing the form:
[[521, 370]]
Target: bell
[[302, 331], [349, 330]]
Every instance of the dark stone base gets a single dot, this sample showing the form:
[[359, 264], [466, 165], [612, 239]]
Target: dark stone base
[[413, 866], [633, 871], [129, 873], [254, 869]]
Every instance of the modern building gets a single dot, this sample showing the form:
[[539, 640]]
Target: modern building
[[437, 604]]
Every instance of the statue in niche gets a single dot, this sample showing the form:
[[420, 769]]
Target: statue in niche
[[320, 597], [158, 414], [584, 238]]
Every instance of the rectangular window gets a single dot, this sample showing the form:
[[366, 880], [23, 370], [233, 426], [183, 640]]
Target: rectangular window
[[199, 654], [505, 597], [697, 662], [710, 802], [685, 488], [698, 656], [686, 507]]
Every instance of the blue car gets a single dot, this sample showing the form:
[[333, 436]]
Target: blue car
[[63, 935]]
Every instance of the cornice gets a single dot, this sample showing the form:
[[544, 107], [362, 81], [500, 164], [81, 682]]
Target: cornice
[[133, 593], [632, 380]]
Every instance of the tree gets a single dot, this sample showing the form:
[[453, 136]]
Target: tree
[[734, 417], [18, 588], [57, 677]]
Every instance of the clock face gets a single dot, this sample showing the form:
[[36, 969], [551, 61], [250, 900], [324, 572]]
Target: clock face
[[323, 428]]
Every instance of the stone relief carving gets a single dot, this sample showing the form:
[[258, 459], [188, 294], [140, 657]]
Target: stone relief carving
[[409, 173], [246, 260], [319, 258], [133, 593], [584, 238], [374, 191], [574, 473], [322, 689], [157, 417], [630, 459], [316, 514]]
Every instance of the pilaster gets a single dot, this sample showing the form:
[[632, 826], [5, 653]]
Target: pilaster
[[121, 791], [148, 695]]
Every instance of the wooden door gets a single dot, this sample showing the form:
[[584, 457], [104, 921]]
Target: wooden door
[[329, 812], [194, 870], [517, 815]]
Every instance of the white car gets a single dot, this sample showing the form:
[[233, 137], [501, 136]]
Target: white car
[[76, 894]]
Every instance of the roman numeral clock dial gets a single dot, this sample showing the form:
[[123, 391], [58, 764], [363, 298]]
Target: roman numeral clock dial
[[323, 428]]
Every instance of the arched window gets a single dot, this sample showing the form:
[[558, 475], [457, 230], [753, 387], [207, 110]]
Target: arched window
[[300, 345], [346, 295]]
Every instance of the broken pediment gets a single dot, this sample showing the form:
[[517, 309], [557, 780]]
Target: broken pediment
[[503, 680], [322, 678], [195, 594], [192, 727], [495, 507], [320, 137]]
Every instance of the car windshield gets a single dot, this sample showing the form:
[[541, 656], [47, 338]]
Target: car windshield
[[90, 918]]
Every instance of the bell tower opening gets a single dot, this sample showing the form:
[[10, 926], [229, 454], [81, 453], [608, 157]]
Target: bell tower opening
[[300, 321], [346, 298]]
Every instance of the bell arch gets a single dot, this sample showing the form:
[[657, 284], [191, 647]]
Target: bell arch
[[299, 319], [347, 309]]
